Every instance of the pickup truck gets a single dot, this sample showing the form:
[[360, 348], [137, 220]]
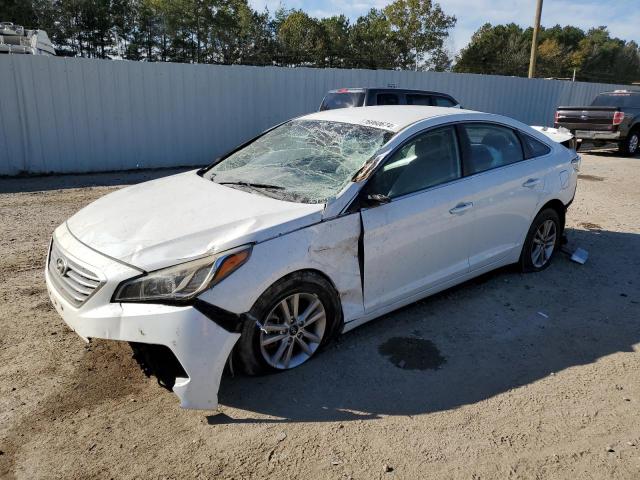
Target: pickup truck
[[612, 120]]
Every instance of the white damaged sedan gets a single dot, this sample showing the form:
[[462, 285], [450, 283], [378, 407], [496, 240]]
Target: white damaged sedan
[[312, 228]]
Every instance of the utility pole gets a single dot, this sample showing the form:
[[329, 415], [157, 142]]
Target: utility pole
[[534, 41]]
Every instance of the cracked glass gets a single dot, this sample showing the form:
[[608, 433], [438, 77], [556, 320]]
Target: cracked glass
[[304, 161]]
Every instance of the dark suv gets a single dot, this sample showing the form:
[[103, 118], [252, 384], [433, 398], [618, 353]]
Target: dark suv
[[361, 97], [612, 119]]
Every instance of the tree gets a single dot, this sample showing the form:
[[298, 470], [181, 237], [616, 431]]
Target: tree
[[438, 61], [406, 34], [335, 31], [551, 59], [238, 34], [594, 55], [373, 44], [20, 12], [420, 28], [499, 50], [301, 40]]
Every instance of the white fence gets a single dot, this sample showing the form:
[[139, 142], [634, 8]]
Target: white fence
[[79, 115]]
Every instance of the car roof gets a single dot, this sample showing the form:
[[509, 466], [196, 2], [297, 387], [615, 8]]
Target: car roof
[[389, 117]]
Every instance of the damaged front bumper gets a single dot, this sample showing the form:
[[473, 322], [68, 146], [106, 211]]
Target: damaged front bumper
[[200, 344]]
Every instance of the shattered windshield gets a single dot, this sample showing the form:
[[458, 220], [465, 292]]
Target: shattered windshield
[[304, 161]]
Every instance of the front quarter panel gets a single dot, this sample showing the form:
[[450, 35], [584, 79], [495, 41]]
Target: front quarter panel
[[330, 247]]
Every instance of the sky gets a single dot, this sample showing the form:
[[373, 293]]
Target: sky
[[622, 17]]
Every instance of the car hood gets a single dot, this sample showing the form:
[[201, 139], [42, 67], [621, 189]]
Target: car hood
[[162, 222]]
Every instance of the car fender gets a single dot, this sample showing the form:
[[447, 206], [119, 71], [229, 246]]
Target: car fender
[[329, 247]]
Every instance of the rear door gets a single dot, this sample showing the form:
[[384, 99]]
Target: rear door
[[421, 237], [507, 187]]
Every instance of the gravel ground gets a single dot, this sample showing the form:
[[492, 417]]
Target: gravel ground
[[506, 376]]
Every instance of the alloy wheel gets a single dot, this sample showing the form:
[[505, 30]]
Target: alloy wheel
[[544, 241], [293, 330], [633, 143]]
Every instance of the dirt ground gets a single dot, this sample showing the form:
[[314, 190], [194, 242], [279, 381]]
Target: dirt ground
[[507, 376]]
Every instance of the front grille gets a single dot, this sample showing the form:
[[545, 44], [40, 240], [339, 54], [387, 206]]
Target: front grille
[[74, 282]]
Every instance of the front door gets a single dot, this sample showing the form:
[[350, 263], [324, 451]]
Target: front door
[[421, 237]]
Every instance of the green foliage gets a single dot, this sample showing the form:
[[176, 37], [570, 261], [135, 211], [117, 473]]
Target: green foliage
[[405, 34], [595, 56], [372, 42], [419, 26], [301, 40]]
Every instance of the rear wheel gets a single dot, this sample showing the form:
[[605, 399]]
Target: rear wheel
[[291, 321], [542, 241], [631, 145]]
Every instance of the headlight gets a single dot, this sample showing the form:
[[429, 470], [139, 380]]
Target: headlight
[[184, 281]]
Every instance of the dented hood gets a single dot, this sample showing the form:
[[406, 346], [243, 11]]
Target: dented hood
[[159, 223]]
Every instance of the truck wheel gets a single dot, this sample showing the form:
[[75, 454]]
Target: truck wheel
[[630, 146]]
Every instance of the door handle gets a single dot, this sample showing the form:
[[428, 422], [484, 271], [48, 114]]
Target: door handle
[[461, 208], [532, 182]]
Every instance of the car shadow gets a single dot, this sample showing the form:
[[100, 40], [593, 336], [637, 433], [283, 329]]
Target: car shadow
[[39, 183], [500, 331]]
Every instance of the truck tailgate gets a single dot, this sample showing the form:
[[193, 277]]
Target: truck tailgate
[[586, 118]]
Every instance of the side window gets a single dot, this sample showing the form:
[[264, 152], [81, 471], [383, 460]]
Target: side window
[[532, 147], [416, 99], [387, 99], [442, 102], [488, 146], [428, 160]]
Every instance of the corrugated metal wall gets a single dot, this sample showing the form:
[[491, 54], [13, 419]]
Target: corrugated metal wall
[[79, 115]]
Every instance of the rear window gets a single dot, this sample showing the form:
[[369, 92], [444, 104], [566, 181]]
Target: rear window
[[628, 100], [342, 100]]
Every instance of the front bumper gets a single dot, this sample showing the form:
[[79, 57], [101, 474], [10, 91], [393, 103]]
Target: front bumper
[[200, 344]]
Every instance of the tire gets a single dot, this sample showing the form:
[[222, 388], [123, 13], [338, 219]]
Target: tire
[[630, 146], [258, 350], [535, 257]]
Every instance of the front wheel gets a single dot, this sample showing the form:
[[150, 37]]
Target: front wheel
[[290, 322], [542, 241], [631, 145]]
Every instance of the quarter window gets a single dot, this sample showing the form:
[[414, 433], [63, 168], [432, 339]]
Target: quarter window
[[488, 146], [532, 147], [428, 160]]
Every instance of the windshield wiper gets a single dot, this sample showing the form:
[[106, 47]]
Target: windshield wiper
[[253, 185]]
